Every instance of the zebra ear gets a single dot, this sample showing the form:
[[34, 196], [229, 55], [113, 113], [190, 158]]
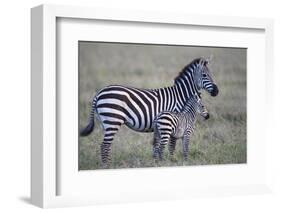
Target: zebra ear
[[208, 60]]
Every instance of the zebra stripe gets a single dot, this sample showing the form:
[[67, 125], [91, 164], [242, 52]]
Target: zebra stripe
[[116, 105], [170, 126]]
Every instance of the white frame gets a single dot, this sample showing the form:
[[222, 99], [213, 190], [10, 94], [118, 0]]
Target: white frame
[[43, 50]]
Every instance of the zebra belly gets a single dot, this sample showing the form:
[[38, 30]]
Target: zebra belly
[[116, 113], [132, 106], [137, 129]]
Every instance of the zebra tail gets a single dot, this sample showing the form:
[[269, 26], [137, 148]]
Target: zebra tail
[[91, 124], [88, 129]]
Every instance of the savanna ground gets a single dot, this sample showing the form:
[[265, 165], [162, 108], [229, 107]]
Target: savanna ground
[[219, 140]]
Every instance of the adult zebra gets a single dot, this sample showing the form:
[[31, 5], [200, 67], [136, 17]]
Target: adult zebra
[[116, 105]]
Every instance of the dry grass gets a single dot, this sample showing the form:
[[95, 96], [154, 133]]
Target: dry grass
[[219, 140]]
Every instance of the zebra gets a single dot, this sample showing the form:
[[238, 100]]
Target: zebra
[[170, 126], [116, 105]]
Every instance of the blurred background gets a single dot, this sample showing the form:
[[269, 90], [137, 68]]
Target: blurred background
[[219, 140]]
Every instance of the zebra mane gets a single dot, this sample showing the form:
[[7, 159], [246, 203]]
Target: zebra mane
[[188, 68]]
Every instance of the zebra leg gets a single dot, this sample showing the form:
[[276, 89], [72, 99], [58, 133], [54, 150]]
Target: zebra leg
[[185, 143], [172, 147], [106, 154], [109, 133], [156, 144], [164, 141]]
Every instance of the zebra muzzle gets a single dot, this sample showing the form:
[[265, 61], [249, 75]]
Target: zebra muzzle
[[215, 90], [207, 116]]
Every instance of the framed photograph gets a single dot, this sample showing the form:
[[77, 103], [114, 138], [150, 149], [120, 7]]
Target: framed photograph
[[129, 106]]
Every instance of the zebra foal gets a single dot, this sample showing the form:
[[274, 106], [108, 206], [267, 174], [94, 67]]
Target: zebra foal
[[170, 126]]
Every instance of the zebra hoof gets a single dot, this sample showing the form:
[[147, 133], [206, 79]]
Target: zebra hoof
[[105, 165], [173, 159], [156, 161]]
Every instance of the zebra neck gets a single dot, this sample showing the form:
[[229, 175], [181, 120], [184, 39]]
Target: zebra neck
[[168, 99], [185, 88], [190, 114]]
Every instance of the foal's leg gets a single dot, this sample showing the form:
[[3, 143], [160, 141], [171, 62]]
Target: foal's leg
[[172, 147], [164, 141], [156, 144], [185, 143]]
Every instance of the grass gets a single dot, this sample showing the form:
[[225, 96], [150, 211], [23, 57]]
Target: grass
[[219, 140]]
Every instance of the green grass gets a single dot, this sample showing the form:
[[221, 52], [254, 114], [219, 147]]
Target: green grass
[[219, 140]]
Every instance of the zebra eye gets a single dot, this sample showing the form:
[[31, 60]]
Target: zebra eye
[[204, 75]]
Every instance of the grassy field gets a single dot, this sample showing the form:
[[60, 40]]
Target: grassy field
[[219, 140]]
